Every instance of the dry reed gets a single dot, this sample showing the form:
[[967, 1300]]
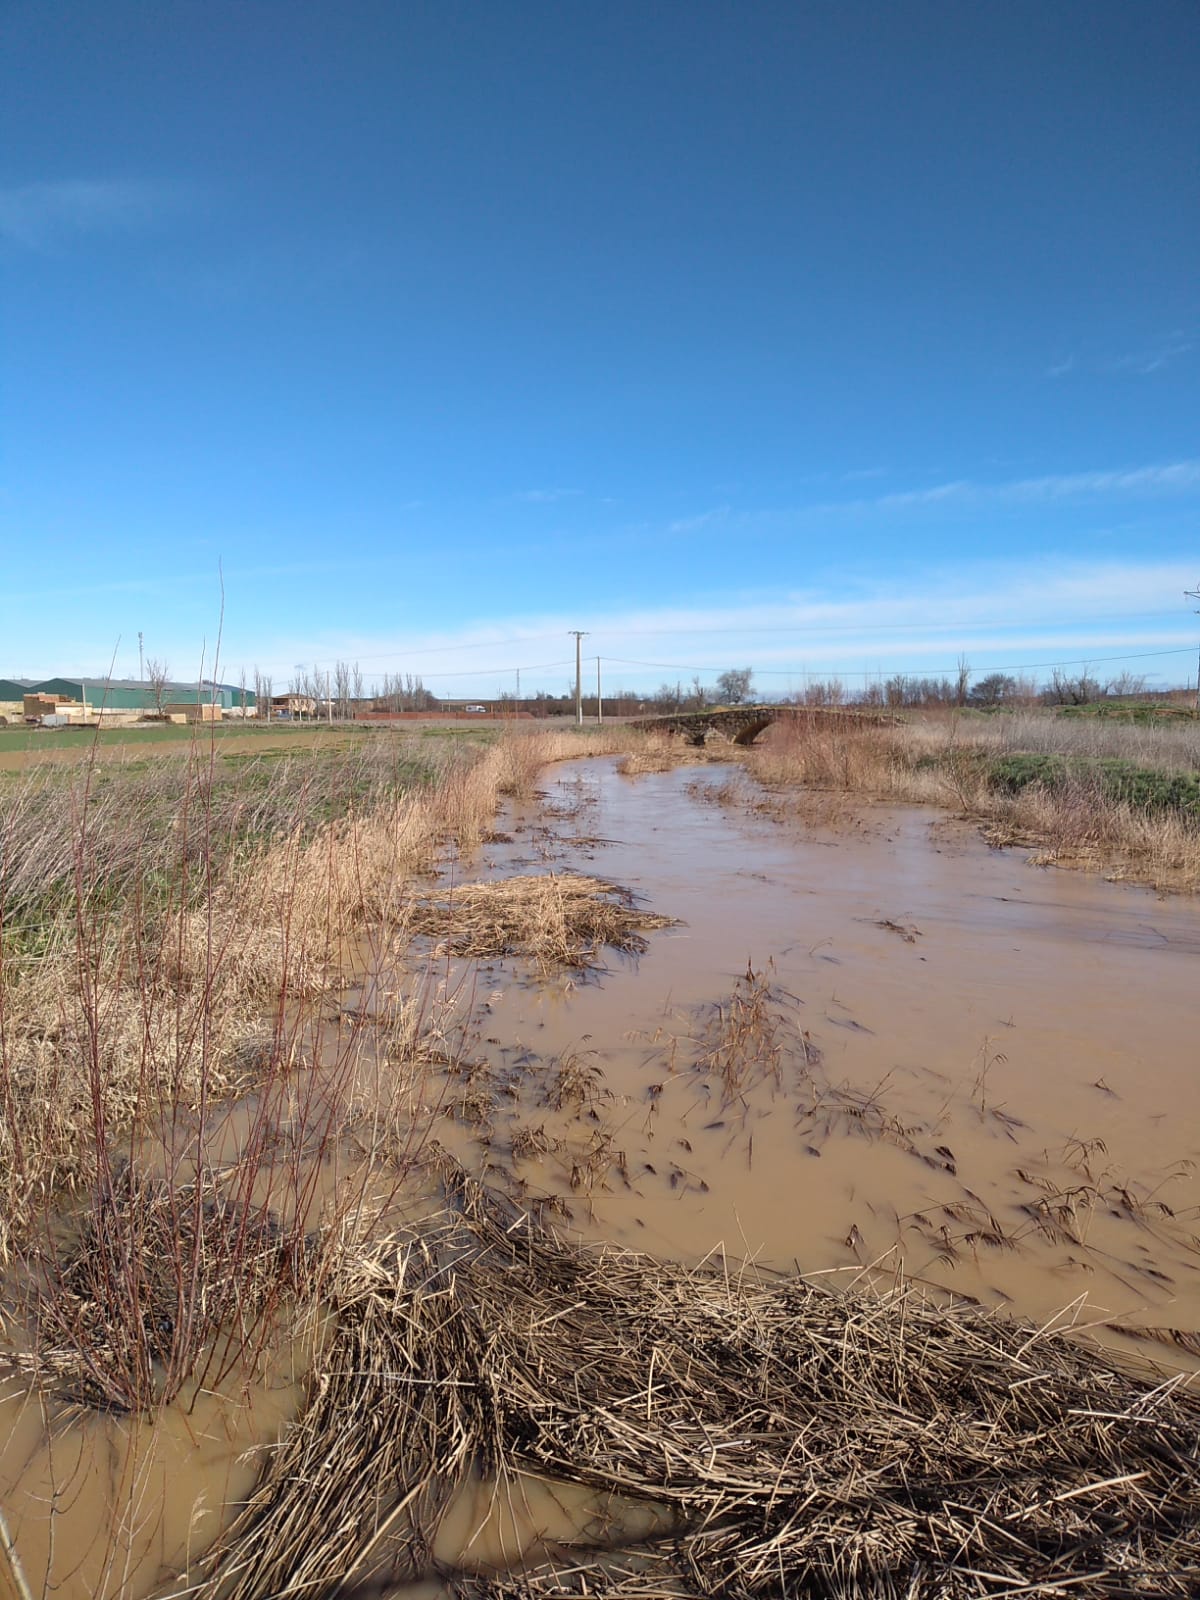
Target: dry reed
[[556, 920], [806, 1442], [1075, 822], [158, 925]]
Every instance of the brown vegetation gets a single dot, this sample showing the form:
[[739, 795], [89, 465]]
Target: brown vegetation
[[803, 1441], [557, 920], [160, 928], [948, 761], [179, 946]]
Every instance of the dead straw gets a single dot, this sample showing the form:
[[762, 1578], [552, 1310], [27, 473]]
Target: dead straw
[[806, 1442], [556, 919]]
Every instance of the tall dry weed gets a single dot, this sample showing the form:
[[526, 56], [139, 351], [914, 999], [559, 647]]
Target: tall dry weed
[[163, 927], [945, 761]]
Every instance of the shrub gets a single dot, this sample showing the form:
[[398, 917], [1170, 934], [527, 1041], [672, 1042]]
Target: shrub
[[1144, 787]]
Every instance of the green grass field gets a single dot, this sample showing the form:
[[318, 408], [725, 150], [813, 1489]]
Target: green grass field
[[170, 733]]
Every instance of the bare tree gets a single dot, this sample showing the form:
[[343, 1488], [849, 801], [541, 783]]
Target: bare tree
[[356, 679], [822, 692], [158, 673], [734, 686], [341, 687], [1126, 683], [962, 682], [1065, 691], [994, 689]]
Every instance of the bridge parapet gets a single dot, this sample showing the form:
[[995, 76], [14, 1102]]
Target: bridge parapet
[[743, 724]]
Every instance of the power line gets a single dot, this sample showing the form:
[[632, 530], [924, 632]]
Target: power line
[[1194, 594], [791, 672], [580, 634], [794, 670], [443, 649], [754, 629], [487, 672]]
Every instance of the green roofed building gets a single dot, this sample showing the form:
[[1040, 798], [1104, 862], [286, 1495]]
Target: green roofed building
[[15, 688], [128, 694]]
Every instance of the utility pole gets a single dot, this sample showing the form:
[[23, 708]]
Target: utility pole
[[580, 633], [599, 696], [141, 667], [1194, 594]]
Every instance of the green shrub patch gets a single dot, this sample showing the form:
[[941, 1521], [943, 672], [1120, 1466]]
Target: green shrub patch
[[1145, 787]]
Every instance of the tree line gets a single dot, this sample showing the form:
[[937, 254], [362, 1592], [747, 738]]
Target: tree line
[[343, 684]]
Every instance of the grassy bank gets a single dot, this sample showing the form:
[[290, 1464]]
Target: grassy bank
[[164, 925], [1110, 796]]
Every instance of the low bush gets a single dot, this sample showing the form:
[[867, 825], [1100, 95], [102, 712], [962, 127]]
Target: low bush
[[1122, 781]]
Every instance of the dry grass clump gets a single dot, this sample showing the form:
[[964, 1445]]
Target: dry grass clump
[[1165, 746], [127, 988], [745, 1039], [557, 919], [658, 752], [119, 1322], [803, 1441], [1074, 822], [859, 758], [153, 915]]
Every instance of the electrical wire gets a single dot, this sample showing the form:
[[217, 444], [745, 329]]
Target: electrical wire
[[794, 672]]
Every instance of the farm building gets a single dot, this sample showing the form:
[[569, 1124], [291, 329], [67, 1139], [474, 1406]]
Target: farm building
[[12, 697], [293, 705], [128, 694], [15, 689]]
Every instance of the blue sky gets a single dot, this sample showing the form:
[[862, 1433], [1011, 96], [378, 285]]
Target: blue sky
[[819, 337]]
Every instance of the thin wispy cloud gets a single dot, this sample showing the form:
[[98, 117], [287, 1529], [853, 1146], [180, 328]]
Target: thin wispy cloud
[[545, 497], [1154, 357], [39, 216], [998, 614], [1142, 361], [1173, 477], [704, 519]]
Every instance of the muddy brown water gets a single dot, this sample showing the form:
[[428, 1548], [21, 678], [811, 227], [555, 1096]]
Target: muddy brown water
[[863, 1049], [1007, 1102]]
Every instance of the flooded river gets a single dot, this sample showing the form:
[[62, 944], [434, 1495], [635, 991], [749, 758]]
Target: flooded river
[[1007, 1099], [876, 1046]]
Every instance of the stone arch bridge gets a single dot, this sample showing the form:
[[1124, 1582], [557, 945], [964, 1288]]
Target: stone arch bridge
[[743, 724]]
